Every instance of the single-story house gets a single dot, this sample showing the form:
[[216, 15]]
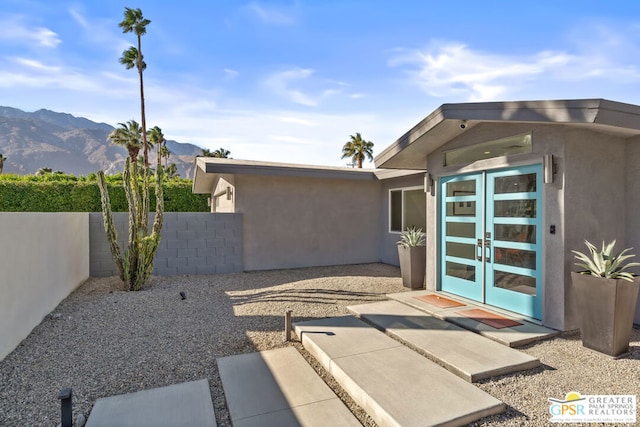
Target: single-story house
[[503, 190]]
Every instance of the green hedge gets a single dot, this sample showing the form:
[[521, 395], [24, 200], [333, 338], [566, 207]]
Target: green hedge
[[68, 193]]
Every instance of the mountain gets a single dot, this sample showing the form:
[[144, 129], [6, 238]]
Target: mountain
[[62, 142]]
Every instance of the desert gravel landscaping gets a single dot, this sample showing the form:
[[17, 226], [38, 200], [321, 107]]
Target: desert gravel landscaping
[[102, 341]]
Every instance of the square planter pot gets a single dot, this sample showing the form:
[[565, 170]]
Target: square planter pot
[[413, 262], [607, 308]]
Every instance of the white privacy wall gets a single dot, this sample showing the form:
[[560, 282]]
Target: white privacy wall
[[43, 258]]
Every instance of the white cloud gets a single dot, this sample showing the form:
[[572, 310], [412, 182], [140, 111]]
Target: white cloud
[[289, 85], [296, 120], [288, 138], [455, 70], [14, 28], [231, 74], [79, 18], [101, 32], [36, 65], [270, 15], [280, 83], [447, 69]]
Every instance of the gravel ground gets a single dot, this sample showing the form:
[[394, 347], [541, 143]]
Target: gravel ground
[[102, 341]]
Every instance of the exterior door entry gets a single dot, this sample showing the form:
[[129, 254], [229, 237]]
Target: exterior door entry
[[491, 245]]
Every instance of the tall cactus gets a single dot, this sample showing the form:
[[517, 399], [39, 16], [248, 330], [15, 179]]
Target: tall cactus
[[136, 265]]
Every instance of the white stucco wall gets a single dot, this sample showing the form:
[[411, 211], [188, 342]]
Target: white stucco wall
[[43, 258]]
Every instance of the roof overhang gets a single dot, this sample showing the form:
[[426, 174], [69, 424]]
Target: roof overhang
[[209, 168], [451, 120]]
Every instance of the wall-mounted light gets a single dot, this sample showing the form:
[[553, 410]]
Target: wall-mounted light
[[463, 124], [428, 182], [549, 169], [229, 193]]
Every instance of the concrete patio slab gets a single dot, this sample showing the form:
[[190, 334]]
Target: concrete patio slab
[[515, 336], [279, 388], [395, 385], [185, 404], [466, 354]]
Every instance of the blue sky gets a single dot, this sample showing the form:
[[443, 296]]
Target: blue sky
[[291, 80]]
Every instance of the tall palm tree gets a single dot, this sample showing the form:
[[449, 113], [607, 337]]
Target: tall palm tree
[[357, 149], [221, 153], [134, 22], [128, 135], [2, 160], [165, 153], [156, 137], [205, 152]]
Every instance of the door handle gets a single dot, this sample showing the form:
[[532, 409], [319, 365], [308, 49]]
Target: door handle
[[479, 250], [487, 246]]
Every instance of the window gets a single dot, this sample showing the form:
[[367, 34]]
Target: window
[[407, 208], [519, 144]]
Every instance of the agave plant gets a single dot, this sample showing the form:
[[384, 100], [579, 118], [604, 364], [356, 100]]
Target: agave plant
[[604, 263], [412, 237]]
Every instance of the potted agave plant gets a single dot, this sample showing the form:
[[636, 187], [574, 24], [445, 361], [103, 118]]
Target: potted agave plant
[[606, 295], [413, 258]]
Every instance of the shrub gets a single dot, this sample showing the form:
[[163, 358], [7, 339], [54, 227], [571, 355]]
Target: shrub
[[70, 193]]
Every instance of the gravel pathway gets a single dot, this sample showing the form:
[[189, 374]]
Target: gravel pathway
[[102, 341]]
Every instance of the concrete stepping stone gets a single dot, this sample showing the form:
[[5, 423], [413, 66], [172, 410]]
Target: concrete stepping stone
[[466, 354], [395, 385], [276, 388], [184, 404], [515, 336]]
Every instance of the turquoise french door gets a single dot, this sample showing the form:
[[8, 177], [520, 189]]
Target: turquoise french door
[[491, 243]]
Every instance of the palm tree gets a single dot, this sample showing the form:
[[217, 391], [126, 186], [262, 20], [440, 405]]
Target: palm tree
[[2, 160], [172, 171], [44, 171], [130, 136], [134, 22], [156, 137], [221, 153], [165, 153], [357, 149]]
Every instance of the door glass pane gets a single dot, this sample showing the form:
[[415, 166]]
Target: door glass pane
[[515, 257], [515, 208], [396, 211], [461, 271], [461, 250], [461, 208], [515, 282], [461, 229], [516, 184], [515, 233], [415, 209], [461, 188]]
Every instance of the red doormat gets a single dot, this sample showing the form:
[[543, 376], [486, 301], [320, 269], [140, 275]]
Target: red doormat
[[491, 319], [439, 301]]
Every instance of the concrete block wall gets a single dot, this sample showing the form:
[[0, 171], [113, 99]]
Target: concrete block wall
[[191, 243]]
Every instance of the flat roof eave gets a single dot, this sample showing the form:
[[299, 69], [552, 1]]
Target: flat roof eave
[[444, 124]]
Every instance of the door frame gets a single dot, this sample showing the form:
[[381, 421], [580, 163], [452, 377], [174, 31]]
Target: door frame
[[536, 302]]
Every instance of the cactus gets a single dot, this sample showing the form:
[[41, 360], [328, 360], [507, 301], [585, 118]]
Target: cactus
[[136, 265]]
